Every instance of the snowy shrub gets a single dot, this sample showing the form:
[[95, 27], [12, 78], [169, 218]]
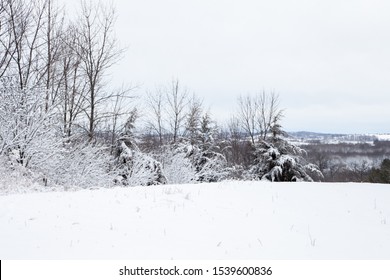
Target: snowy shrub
[[313, 171], [177, 166], [81, 164], [135, 168], [29, 136], [186, 163], [31, 141], [27, 129], [14, 178], [210, 166]]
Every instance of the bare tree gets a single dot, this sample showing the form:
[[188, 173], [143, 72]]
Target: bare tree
[[259, 115], [98, 50], [30, 40], [73, 83], [247, 115], [238, 151], [360, 170], [268, 113], [320, 158], [156, 104], [51, 73], [26, 20], [177, 99], [6, 42]]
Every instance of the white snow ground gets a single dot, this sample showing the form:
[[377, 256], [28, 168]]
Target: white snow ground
[[227, 220]]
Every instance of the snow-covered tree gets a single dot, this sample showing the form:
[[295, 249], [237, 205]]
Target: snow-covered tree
[[281, 161], [196, 158], [209, 163], [177, 163], [32, 143], [275, 159], [193, 120], [79, 164], [133, 166], [27, 129]]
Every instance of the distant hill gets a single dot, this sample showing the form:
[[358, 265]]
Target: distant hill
[[315, 137]]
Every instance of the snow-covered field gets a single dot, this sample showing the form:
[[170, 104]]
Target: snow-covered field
[[227, 220]]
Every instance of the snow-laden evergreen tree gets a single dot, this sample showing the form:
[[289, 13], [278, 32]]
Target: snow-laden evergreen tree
[[209, 163], [134, 167], [274, 158], [381, 174], [278, 160], [196, 158]]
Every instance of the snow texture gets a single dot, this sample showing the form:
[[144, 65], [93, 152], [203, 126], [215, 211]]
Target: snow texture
[[225, 220]]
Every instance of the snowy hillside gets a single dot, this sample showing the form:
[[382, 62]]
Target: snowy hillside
[[306, 137], [227, 220]]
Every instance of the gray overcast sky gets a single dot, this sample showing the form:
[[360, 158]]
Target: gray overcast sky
[[328, 60]]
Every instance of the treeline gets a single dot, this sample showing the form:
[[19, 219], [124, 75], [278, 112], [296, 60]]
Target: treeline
[[62, 123]]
